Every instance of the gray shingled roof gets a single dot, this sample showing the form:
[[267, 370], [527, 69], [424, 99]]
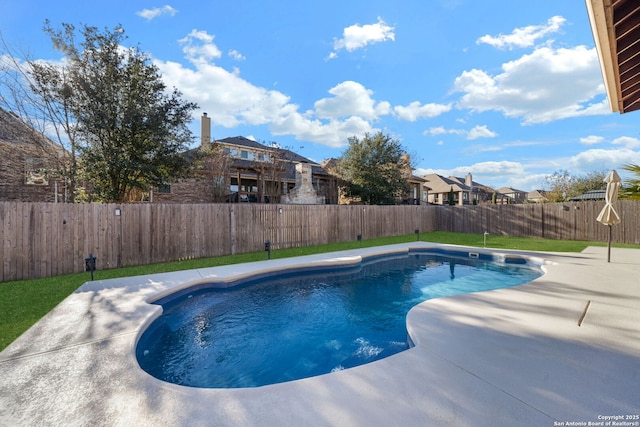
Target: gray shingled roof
[[589, 195], [244, 142]]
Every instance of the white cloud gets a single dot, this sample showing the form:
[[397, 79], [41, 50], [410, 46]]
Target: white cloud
[[591, 140], [440, 130], [359, 36], [587, 161], [415, 111], [546, 85], [601, 159], [475, 133], [231, 101], [236, 55], [333, 134], [524, 37], [199, 46], [627, 142], [493, 174], [480, 169], [150, 14], [481, 132], [350, 99], [502, 168]]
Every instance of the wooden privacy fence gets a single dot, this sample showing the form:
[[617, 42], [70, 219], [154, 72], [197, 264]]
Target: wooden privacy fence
[[560, 221], [48, 239]]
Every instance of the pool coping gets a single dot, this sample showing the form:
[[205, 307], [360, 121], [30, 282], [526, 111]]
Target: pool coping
[[503, 357]]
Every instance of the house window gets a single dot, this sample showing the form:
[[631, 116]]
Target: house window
[[164, 188], [244, 154], [261, 157], [35, 172]]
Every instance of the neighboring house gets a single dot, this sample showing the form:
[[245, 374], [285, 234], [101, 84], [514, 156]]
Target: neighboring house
[[251, 172], [418, 191], [537, 196], [514, 196], [29, 163], [465, 190], [589, 196]]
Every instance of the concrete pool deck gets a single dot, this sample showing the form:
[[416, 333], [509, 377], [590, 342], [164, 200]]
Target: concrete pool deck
[[510, 357]]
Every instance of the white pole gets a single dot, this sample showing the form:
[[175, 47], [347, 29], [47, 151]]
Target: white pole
[[609, 246]]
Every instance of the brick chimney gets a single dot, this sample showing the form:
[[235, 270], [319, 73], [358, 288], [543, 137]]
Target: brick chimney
[[468, 181], [205, 129]]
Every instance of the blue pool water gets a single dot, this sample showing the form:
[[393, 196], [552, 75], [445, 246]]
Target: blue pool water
[[269, 330]]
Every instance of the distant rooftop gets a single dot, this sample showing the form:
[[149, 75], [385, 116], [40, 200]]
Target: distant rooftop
[[589, 195]]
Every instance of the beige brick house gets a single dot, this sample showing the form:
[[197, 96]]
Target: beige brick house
[[465, 190], [238, 169], [29, 163]]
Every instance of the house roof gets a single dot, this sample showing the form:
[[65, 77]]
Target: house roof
[[537, 195], [616, 31], [243, 142], [589, 195], [417, 179], [16, 132], [509, 190], [441, 184], [285, 153]]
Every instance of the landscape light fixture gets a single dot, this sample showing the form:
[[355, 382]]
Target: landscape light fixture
[[267, 248], [90, 264]]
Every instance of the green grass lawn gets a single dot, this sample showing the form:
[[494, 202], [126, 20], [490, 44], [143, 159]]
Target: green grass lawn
[[24, 302]]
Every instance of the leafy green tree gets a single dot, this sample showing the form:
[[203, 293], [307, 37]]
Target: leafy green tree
[[374, 169], [130, 130], [631, 189]]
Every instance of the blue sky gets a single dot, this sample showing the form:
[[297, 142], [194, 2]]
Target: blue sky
[[509, 91]]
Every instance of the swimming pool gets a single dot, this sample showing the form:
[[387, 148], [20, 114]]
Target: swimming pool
[[278, 327]]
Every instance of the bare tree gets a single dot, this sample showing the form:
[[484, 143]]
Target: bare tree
[[215, 164], [272, 169], [27, 90]]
